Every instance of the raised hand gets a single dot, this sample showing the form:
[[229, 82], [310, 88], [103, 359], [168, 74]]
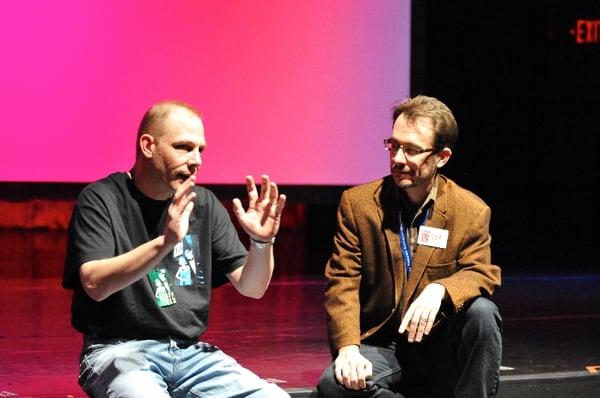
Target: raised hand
[[178, 217], [262, 218]]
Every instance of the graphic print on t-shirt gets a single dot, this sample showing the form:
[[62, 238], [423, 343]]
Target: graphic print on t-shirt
[[186, 254], [161, 284], [185, 259]]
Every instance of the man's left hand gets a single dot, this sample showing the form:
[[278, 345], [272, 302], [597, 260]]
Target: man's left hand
[[262, 219], [421, 314]]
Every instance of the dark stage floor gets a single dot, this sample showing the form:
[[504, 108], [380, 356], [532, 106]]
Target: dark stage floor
[[551, 336]]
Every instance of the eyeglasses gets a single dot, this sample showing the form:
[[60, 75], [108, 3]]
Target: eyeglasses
[[408, 150]]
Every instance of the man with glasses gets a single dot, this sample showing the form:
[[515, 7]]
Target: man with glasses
[[410, 276], [145, 248]]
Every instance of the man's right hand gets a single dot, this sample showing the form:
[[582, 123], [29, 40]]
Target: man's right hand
[[352, 369], [178, 218]]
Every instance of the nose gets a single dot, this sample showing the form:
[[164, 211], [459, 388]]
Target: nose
[[399, 156], [195, 158]]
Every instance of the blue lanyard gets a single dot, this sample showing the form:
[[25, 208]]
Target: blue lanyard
[[406, 252]]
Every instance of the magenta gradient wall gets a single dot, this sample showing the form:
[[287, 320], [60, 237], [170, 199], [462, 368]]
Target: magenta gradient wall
[[300, 90]]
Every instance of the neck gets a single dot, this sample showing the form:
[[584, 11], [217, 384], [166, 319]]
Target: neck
[[414, 198], [146, 184], [416, 195]]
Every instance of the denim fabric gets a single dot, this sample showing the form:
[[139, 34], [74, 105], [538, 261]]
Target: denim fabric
[[387, 376], [460, 358], [151, 368]]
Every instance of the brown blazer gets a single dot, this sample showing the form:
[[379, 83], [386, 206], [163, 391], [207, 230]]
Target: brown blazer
[[366, 286]]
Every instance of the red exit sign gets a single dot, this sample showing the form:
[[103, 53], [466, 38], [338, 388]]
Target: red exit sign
[[586, 31]]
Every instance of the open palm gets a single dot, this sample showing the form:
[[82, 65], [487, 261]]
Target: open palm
[[262, 218]]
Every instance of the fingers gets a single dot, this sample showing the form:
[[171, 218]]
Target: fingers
[[418, 323], [363, 373], [406, 319], [188, 209], [280, 205], [421, 314], [353, 370], [185, 187], [429, 324], [417, 327], [353, 377], [338, 374], [268, 193], [262, 218], [238, 209], [180, 209], [412, 328], [254, 200], [252, 192], [184, 195], [276, 202], [269, 201], [265, 189]]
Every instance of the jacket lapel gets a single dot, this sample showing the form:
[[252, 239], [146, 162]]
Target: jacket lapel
[[388, 210], [423, 254]]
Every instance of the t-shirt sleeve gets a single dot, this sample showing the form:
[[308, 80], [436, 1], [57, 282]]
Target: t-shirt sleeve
[[90, 236], [228, 252]]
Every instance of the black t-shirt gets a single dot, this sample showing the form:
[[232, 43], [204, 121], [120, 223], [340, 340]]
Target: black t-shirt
[[112, 217]]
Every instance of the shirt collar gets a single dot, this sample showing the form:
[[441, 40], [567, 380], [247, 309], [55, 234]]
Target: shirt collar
[[427, 203]]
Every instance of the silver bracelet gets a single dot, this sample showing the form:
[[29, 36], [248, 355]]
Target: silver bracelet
[[259, 244]]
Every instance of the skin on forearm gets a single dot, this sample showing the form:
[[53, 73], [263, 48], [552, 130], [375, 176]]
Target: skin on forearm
[[102, 278], [253, 278], [261, 222]]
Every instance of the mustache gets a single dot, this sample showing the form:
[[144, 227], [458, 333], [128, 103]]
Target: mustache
[[401, 170]]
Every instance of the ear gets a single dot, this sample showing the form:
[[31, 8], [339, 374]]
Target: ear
[[147, 145], [443, 157]]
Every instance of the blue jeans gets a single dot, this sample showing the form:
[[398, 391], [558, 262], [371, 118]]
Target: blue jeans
[[164, 368], [460, 358]]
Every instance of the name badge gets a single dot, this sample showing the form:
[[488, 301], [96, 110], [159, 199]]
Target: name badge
[[434, 237]]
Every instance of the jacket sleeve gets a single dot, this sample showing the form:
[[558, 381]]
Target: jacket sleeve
[[343, 271]]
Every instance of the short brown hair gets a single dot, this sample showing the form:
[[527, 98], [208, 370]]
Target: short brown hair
[[153, 118], [421, 106]]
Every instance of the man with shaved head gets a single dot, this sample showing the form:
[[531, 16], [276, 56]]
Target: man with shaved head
[[145, 248]]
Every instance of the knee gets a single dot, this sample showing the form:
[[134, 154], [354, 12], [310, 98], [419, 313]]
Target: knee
[[328, 385], [483, 317]]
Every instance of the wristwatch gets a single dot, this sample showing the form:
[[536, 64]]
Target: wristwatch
[[259, 244]]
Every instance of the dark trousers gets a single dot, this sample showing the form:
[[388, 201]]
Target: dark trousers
[[460, 358]]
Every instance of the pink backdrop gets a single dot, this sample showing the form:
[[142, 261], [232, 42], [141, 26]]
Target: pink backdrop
[[300, 90]]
